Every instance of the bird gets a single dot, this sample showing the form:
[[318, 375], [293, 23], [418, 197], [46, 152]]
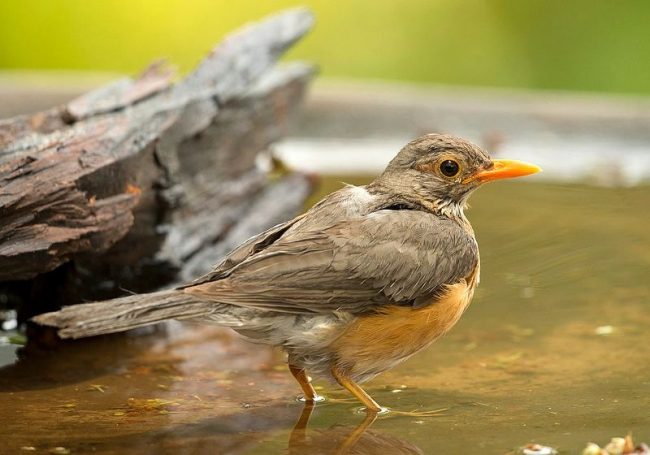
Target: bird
[[358, 283]]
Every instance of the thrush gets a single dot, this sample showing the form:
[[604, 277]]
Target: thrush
[[363, 280]]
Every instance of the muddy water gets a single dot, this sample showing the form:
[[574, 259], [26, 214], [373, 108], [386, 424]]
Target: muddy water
[[555, 349]]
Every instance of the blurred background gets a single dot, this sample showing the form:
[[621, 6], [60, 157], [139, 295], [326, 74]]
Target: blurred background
[[390, 71], [555, 347], [543, 44]]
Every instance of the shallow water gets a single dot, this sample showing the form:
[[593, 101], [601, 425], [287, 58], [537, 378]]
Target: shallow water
[[554, 349]]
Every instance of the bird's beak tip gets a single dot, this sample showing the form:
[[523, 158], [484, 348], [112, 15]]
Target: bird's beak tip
[[504, 169]]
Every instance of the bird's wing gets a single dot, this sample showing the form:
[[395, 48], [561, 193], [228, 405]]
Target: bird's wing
[[353, 265], [244, 251]]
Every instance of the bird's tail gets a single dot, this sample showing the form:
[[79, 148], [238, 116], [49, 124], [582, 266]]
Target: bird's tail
[[125, 313]]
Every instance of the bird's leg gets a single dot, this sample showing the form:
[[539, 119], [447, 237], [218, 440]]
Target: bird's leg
[[354, 389], [305, 384]]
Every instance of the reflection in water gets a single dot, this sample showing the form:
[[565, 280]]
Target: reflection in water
[[48, 362], [103, 380], [345, 440]]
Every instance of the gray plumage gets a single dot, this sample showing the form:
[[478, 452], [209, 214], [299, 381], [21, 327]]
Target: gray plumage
[[352, 265], [400, 240]]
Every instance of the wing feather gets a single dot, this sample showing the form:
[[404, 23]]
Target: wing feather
[[354, 265]]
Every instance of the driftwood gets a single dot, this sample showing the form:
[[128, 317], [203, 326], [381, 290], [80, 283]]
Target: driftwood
[[145, 183]]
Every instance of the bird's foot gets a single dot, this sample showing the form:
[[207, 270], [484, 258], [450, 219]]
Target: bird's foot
[[417, 413], [342, 400], [314, 399], [382, 411]]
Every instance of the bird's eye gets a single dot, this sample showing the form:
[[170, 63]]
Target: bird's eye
[[449, 168]]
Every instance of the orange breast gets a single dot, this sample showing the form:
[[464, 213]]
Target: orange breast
[[375, 343]]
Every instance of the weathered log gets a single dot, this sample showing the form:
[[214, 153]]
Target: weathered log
[[132, 185]]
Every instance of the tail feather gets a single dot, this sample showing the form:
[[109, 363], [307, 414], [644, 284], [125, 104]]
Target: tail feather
[[125, 313]]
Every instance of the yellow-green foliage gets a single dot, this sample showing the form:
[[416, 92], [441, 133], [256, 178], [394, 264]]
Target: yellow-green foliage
[[566, 44]]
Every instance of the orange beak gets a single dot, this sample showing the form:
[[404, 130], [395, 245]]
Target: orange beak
[[504, 169]]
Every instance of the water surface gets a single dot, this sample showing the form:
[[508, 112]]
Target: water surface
[[554, 349]]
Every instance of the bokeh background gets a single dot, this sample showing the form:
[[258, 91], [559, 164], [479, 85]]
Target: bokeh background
[[554, 348], [586, 45]]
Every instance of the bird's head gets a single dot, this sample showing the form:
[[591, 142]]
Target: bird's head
[[442, 170]]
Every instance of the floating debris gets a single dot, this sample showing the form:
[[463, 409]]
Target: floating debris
[[592, 449], [59, 450], [604, 330], [97, 388], [151, 404], [507, 360], [617, 446], [536, 449]]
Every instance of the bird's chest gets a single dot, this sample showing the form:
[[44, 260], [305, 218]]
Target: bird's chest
[[375, 343]]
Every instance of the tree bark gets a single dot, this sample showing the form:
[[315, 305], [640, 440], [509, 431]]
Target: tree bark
[[144, 183]]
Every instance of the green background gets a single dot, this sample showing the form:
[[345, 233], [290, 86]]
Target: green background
[[592, 45]]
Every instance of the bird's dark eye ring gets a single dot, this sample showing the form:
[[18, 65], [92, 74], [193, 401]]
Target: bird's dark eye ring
[[449, 168]]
